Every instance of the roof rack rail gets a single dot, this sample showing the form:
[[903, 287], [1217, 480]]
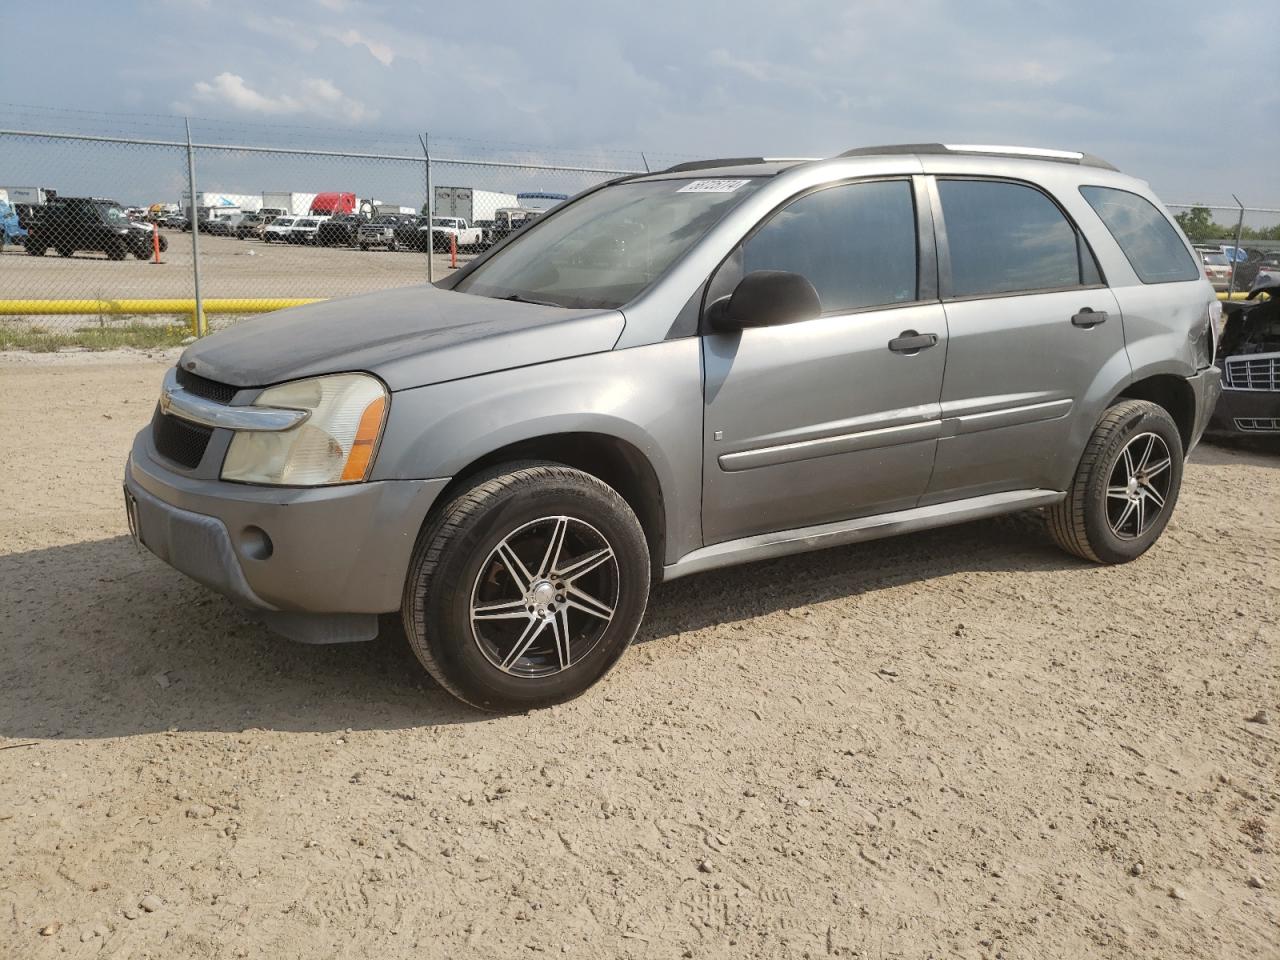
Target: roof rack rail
[[985, 150], [709, 164]]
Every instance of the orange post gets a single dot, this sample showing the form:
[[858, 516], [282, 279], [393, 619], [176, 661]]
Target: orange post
[[453, 250], [155, 241]]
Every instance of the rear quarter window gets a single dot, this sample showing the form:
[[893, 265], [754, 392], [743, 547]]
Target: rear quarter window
[[1149, 241]]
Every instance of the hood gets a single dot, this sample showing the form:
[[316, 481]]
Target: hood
[[410, 337]]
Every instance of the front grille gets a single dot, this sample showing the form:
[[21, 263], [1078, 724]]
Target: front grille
[[1254, 373], [1258, 424], [180, 440], [209, 389]]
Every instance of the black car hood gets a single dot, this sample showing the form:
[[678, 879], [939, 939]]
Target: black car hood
[[410, 337]]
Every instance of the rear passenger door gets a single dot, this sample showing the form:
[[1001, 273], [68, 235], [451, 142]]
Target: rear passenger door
[[1032, 329], [835, 417]]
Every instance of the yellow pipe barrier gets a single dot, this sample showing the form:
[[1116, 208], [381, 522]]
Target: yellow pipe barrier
[[119, 308]]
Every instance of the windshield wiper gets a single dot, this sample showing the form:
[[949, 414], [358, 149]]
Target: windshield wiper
[[517, 298]]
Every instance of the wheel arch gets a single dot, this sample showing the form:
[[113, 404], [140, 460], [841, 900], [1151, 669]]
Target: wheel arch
[[609, 458], [1172, 393]]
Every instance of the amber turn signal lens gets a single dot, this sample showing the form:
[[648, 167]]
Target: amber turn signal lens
[[361, 454]]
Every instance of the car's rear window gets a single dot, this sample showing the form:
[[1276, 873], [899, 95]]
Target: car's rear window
[[1149, 241]]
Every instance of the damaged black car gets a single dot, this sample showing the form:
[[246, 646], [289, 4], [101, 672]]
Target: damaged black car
[[1249, 355]]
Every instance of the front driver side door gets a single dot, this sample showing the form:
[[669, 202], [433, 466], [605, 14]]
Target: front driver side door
[[831, 418]]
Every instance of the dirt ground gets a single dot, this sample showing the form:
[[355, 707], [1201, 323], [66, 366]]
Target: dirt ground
[[953, 744]]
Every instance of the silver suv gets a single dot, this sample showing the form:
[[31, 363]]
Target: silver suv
[[672, 372]]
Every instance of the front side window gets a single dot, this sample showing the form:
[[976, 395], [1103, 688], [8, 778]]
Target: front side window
[[856, 243], [1145, 235], [1007, 238], [605, 249]]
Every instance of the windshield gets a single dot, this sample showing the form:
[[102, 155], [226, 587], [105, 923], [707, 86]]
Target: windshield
[[282, 222], [605, 249], [113, 212]]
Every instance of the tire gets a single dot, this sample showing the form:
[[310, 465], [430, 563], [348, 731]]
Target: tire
[[364, 247], [65, 251], [116, 250], [1105, 517], [519, 508], [36, 249], [393, 246]]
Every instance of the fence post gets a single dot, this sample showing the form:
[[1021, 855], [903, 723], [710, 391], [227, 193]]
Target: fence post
[[431, 238], [195, 232], [1231, 281]]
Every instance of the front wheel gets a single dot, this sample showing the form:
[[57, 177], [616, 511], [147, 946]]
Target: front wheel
[[526, 588], [1125, 487]]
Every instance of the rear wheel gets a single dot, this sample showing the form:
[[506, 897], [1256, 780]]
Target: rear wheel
[[1125, 487], [527, 587]]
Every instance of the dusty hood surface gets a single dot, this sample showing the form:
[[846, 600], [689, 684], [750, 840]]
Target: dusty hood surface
[[411, 337]]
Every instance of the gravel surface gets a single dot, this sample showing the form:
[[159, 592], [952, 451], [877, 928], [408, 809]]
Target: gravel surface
[[955, 744]]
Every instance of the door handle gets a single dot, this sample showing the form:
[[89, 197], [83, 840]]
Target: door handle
[[908, 341], [1089, 318]]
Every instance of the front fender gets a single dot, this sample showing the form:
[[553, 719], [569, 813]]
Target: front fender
[[649, 397]]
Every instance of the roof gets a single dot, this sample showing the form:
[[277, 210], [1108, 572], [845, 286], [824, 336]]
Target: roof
[[767, 167]]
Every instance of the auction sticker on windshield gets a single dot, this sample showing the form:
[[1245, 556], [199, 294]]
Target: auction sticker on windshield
[[712, 186]]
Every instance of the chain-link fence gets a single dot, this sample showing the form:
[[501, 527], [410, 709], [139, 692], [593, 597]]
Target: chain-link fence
[[1235, 242], [118, 241], [148, 239]]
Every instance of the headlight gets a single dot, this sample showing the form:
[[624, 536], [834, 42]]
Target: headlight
[[335, 444]]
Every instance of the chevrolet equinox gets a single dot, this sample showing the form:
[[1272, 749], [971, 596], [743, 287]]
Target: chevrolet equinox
[[722, 362]]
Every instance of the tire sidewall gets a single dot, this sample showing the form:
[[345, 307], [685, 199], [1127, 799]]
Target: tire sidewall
[[444, 608], [1105, 543]]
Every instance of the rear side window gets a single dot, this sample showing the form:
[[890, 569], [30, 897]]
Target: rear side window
[[856, 243], [1007, 238], [1149, 241]]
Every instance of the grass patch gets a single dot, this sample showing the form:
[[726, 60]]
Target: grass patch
[[143, 336]]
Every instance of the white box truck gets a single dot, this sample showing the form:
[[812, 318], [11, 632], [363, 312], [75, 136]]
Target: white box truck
[[32, 195], [294, 204], [470, 204]]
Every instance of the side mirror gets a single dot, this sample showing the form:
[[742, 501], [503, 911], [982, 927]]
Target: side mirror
[[766, 298]]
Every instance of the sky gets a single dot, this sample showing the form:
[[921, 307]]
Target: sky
[[1173, 92]]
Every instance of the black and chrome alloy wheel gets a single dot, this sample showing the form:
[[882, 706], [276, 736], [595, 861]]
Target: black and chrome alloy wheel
[[544, 597]]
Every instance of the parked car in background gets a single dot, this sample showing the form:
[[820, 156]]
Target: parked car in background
[[278, 230], [11, 229], [1216, 267], [70, 224], [341, 230], [507, 221], [386, 231], [717, 363], [222, 226], [270, 213], [446, 232], [1249, 355], [305, 230], [250, 226], [1253, 262]]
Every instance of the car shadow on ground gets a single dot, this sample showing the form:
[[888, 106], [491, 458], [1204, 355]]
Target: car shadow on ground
[[100, 639], [1238, 450]]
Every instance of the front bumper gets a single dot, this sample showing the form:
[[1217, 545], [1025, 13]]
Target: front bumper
[[1246, 413], [319, 564]]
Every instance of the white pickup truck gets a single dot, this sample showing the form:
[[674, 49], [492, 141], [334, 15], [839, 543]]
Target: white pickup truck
[[445, 228]]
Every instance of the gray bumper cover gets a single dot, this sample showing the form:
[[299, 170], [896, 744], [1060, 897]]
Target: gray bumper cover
[[338, 555]]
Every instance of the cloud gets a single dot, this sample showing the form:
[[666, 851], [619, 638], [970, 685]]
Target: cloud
[[354, 38], [314, 96]]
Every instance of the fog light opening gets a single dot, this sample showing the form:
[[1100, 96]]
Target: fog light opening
[[255, 544]]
